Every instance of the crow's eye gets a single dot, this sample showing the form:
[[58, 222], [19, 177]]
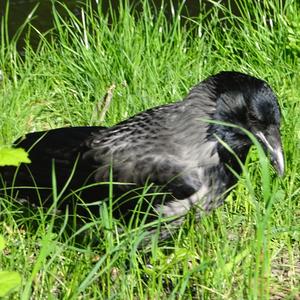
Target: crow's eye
[[252, 118]]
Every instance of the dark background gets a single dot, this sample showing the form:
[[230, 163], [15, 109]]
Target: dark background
[[20, 9]]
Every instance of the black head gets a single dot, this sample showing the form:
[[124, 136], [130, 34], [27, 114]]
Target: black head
[[250, 103]]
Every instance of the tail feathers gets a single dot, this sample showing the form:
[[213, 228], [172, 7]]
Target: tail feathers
[[52, 152]]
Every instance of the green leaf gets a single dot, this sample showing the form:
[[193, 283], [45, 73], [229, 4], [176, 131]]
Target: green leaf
[[8, 282], [13, 157], [2, 243]]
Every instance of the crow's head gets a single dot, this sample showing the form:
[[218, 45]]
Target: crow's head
[[249, 103]]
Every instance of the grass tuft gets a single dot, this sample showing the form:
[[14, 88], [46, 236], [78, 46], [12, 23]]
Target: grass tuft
[[249, 247]]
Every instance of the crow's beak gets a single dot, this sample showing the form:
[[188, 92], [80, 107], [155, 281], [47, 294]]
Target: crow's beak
[[272, 144]]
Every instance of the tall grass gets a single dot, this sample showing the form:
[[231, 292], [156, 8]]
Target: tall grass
[[248, 248]]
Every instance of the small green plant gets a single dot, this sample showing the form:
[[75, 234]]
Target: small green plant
[[13, 157], [8, 280]]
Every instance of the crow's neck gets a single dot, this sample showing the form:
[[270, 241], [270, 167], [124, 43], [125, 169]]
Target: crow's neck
[[233, 146]]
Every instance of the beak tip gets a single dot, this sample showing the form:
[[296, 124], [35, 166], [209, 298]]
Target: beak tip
[[278, 161], [280, 173], [272, 144]]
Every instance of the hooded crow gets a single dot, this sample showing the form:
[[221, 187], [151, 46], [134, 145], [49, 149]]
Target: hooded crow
[[178, 150]]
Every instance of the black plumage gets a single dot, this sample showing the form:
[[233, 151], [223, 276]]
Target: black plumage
[[174, 148]]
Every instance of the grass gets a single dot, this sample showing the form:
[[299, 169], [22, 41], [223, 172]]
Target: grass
[[249, 247]]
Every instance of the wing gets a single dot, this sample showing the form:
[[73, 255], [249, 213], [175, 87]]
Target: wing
[[168, 146]]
